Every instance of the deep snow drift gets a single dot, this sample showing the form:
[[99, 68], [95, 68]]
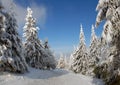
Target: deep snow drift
[[52, 77]]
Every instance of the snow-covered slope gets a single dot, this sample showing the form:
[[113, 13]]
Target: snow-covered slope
[[52, 77]]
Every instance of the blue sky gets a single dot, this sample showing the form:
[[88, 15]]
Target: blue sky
[[61, 23]]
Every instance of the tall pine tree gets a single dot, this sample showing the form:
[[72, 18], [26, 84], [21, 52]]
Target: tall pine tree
[[32, 45], [37, 55], [11, 56], [80, 56], [93, 51]]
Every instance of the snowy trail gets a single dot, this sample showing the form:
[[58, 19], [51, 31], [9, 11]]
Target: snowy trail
[[53, 77]]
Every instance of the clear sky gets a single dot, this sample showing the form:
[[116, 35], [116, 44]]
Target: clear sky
[[62, 20]]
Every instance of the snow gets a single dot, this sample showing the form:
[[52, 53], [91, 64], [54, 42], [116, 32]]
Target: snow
[[47, 77], [3, 59], [10, 60]]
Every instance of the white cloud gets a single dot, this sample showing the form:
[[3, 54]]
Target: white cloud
[[39, 12]]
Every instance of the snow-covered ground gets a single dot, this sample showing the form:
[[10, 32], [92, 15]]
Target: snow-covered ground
[[52, 77]]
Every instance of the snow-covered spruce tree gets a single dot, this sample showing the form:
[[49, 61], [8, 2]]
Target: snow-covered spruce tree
[[11, 56], [93, 52], [61, 62], [71, 58], [37, 55], [32, 45], [80, 56], [66, 63], [104, 59], [109, 10], [50, 60]]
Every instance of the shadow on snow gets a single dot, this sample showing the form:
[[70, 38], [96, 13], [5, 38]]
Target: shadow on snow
[[44, 74]]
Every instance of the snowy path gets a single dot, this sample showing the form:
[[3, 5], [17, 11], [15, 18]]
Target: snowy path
[[53, 77]]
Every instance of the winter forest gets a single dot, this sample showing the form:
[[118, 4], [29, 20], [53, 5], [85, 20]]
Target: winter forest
[[27, 60]]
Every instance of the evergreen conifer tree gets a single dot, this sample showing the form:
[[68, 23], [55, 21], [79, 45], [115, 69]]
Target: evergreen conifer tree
[[50, 60], [37, 55], [11, 54], [34, 51], [80, 56], [109, 10], [61, 62], [93, 51]]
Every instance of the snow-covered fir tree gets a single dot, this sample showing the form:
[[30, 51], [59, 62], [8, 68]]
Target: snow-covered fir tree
[[80, 56], [32, 45], [104, 52], [70, 61], [50, 60], [37, 55], [61, 62], [93, 51], [66, 62], [11, 56], [71, 58], [109, 10]]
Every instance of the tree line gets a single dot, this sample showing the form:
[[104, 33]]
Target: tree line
[[102, 58]]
